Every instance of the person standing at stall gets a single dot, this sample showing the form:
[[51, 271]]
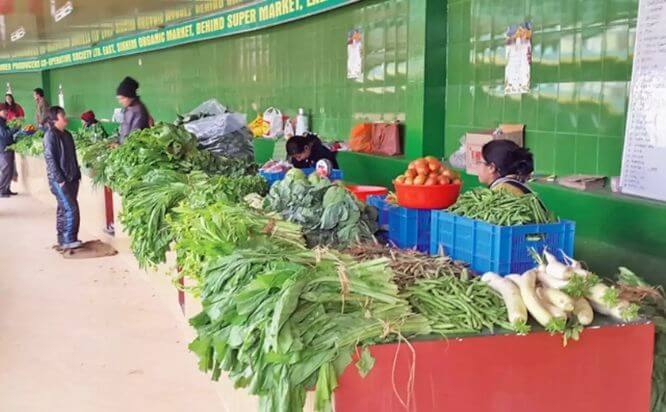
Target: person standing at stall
[[7, 157], [64, 174], [135, 113], [41, 109], [14, 110], [505, 165], [305, 151]]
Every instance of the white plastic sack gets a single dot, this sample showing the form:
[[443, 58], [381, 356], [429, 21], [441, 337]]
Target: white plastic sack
[[459, 159], [211, 107], [273, 117], [288, 129]]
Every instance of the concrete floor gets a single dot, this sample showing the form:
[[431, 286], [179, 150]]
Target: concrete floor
[[86, 335]]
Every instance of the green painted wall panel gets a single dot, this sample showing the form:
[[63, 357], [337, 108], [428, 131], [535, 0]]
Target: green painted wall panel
[[581, 68], [22, 87]]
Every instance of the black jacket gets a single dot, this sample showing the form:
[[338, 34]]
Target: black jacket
[[60, 155], [317, 152], [6, 137]]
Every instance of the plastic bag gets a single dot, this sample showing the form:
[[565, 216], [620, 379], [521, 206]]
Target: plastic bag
[[221, 133], [386, 139], [458, 158], [288, 128], [280, 150], [258, 126], [273, 117], [360, 138]]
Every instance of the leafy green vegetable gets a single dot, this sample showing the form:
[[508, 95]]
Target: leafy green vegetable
[[29, 145], [281, 321], [328, 213]]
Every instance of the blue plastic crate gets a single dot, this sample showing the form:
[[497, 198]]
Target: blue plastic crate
[[410, 228], [272, 177], [493, 248], [336, 174], [383, 208]]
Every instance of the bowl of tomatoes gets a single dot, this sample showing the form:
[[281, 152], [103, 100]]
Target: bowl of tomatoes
[[427, 184]]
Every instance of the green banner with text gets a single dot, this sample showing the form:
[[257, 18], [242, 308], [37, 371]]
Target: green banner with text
[[257, 16]]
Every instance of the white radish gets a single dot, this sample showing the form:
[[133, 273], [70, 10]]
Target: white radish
[[555, 268], [574, 264], [552, 308], [602, 295], [582, 272], [550, 281], [583, 311], [557, 298], [605, 300], [526, 284], [516, 309]]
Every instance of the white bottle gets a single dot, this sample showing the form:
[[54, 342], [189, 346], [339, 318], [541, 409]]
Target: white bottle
[[61, 97], [301, 123]]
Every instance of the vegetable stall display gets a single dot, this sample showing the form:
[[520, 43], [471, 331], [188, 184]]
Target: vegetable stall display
[[292, 281]]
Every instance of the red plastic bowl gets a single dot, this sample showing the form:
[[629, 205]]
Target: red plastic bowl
[[427, 197], [362, 192]]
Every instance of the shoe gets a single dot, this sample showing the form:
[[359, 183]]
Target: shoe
[[4, 195], [10, 193], [74, 245], [109, 230]]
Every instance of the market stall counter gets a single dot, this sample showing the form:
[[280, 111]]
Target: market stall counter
[[608, 370]]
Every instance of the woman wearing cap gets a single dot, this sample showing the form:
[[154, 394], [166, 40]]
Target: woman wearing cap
[[88, 118], [14, 110], [135, 113]]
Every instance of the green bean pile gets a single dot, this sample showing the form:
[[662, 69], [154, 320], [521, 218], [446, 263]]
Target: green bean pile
[[455, 306], [500, 207]]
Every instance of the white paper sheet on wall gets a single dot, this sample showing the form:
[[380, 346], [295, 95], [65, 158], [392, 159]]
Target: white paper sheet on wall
[[644, 156]]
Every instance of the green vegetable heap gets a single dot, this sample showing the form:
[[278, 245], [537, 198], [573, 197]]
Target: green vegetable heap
[[500, 207], [282, 321], [29, 144], [165, 147], [328, 213]]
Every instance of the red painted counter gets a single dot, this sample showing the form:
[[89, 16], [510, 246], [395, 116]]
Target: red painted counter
[[608, 370]]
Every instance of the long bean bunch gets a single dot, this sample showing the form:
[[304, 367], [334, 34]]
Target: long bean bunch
[[500, 207], [455, 305]]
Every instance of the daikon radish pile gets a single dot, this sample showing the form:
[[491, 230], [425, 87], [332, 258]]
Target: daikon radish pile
[[516, 309]]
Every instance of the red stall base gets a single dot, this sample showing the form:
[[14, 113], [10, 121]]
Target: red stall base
[[608, 370]]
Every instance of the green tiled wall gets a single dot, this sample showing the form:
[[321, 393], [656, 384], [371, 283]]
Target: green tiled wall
[[581, 67], [301, 64], [22, 87]]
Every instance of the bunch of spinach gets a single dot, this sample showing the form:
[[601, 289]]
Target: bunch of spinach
[[149, 202], [164, 147], [206, 227], [328, 213], [282, 321]]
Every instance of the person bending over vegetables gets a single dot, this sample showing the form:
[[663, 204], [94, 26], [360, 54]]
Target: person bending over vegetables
[[505, 165], [305, 151], [64, 174]]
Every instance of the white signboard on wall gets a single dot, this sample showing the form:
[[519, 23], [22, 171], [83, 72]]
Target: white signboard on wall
[[644, 157]]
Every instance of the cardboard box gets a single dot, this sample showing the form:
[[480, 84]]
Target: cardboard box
[[583, 182], [474, 142]]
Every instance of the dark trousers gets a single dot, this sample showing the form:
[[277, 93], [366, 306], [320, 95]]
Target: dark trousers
[[7, 170], [67, 217]]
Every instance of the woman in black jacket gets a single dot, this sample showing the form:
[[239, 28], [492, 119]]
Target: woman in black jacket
[[305, 151]]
